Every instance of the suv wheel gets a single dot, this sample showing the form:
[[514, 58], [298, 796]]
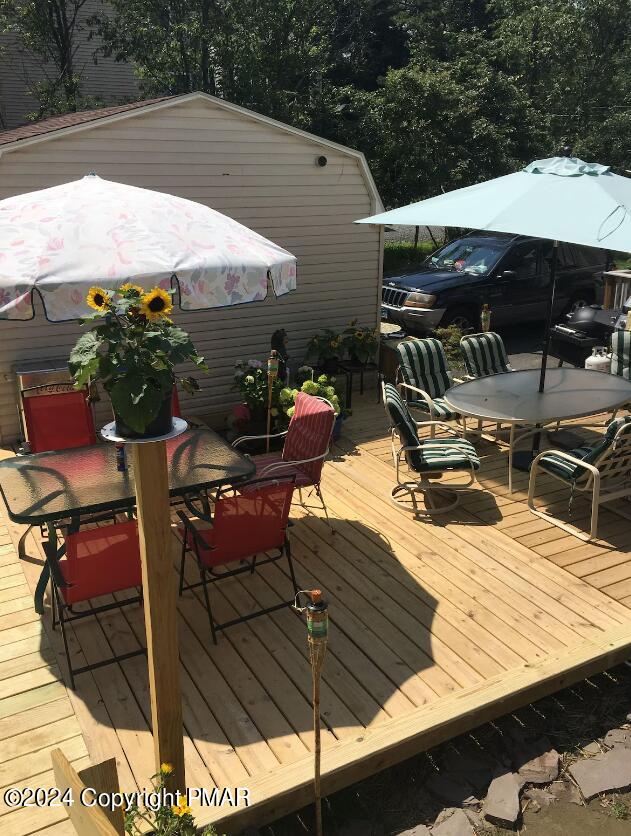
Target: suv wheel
[[462, 318]]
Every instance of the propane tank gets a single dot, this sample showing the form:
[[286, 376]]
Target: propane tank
[[599, 361]]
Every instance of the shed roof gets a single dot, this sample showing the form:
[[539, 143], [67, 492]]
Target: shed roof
[[56, 126]]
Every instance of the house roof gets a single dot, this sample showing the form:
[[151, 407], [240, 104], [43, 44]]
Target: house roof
[[67, 120], [56, 126]]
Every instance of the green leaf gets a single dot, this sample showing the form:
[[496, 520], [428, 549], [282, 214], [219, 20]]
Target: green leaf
[[84, 357], [136, 401]]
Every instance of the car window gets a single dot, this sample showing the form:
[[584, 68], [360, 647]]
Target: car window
[[466, 256], [523, 260]]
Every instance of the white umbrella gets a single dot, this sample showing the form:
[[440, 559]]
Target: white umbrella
[[561, 198], [61, 241]]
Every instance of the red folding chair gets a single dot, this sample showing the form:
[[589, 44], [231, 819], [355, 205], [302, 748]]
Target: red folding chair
[[57, 420], [98, 561], [306, 446], [244, 527]]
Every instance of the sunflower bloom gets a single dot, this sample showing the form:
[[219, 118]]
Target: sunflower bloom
[[98, 299], [181, 809], [129, 287], [166, 768], [155, 304]]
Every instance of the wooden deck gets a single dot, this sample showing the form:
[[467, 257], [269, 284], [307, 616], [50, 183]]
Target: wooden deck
[[435, 628]]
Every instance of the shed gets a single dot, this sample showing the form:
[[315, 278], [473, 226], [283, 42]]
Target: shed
[[297, 189]]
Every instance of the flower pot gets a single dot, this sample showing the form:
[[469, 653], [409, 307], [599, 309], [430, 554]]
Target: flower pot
[[161, 424], [337, 427]]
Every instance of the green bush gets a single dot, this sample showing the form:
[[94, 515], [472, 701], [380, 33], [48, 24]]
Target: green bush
[[401, 255]]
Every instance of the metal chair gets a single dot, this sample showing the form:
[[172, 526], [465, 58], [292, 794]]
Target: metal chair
[[306, 446], [423, 377], [604, 469], [244, 527], [484, 354], [429, 458], [97, 561]]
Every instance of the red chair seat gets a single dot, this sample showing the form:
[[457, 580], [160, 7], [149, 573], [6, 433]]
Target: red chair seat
[[100, 561]]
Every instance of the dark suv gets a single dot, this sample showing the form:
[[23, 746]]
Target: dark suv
[[511, 273]]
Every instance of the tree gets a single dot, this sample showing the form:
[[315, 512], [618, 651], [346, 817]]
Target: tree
[[50, 30]]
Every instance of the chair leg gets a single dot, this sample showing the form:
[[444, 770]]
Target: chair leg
[[326, 510], [202, 574], [65, 639], [53, 604], [182, 560], [291, 566]]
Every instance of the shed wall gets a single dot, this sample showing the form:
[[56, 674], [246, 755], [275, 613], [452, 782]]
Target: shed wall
[[258, 174]]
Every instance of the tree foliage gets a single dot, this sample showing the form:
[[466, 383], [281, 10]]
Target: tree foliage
[[437, 95]]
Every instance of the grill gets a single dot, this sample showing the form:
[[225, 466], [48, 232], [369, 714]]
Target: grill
[[394, 297], [588, 327]]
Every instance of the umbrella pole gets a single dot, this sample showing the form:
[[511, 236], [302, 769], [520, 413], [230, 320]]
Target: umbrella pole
[[546, 343], [272, 374]]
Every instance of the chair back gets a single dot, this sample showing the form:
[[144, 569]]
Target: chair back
[[99, 561], [621, 354], [612, 455], [484, 354], [400, 418], [422, 363], [250, 523], [57, 421], [309, 434]]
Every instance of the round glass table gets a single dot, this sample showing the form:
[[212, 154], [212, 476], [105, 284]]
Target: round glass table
[[514, 398]]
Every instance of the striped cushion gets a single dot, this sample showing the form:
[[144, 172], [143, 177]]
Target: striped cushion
[[423, 364], [621, 354], [441, 454], [441, 411], [309, 434], [569, 471], [400, 416], [484, 354]]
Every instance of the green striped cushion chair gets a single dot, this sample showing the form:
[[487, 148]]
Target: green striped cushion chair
[[433, 454], [571, 472], [484, 354], [621, 354], [422, 363]]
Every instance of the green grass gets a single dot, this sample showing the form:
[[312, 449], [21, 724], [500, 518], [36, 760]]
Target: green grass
[[400, 256]]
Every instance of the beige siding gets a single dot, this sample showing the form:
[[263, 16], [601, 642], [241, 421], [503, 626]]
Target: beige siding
[[259, 174], [107, 81]]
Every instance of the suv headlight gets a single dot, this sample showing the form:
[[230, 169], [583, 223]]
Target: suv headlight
[[419, 300]]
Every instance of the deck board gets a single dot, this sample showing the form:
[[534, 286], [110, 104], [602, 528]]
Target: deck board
[[435, 628]]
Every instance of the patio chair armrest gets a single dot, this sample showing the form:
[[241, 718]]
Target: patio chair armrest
[[189, 526], [442, 424], [270, 468], [565, 455], [243, 438], [425, 395], [460, 379], [194, 510]]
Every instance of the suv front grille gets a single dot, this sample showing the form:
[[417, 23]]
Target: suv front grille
[[394, 297]]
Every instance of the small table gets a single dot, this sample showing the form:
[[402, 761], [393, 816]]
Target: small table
[[349, 369], [514, 398], [46, 487]]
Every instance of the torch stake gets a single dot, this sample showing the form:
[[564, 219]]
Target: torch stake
[[272, 374]]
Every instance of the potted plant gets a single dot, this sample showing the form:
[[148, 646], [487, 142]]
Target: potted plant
[[320, 387], [251, 381], [326, 348], [132, 350], [360, 343]]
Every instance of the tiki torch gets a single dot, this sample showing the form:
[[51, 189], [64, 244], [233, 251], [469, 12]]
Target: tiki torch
[[317, 610], [272, 374]]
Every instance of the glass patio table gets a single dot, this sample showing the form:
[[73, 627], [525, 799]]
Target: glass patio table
[[44, 488], [514, 398]]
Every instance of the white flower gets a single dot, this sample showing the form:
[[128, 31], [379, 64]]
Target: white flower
[[249, 379]]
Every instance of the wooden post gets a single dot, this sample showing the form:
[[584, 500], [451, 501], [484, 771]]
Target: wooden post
[[87, 821], [160, 605], [103, 777]]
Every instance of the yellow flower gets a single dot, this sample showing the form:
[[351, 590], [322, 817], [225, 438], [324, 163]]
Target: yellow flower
[[98, 299], [155, 304], [129, 286], [181, 809], [166, 768]]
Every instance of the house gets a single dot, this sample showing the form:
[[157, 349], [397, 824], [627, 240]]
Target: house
[[105, 80], [299, 190]]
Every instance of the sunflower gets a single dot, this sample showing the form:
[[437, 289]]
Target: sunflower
[[155, 304], [181, 809], [129, 287], [98, 299]]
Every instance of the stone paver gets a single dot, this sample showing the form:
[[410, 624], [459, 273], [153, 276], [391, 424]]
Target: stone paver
[[501, 806], [604, 773], [618, 738], [541, 769], [454, 823]]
